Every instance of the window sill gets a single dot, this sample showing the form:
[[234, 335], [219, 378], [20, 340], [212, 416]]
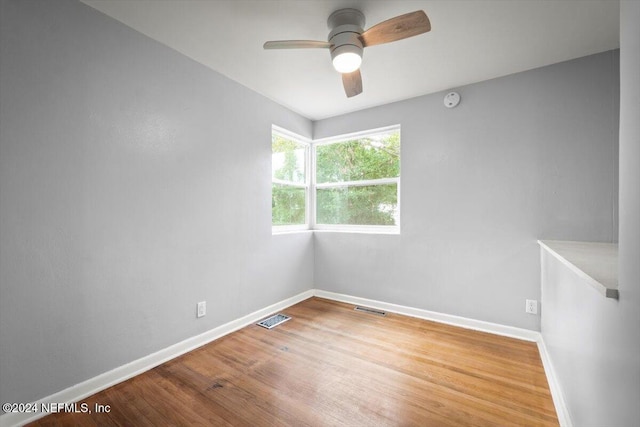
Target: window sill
[[596, 263], [358, 231], [282, 232], [346, 231]]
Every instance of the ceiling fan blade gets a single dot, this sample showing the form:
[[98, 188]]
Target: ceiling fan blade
[[295, 44], [398, 28], [352, 83]]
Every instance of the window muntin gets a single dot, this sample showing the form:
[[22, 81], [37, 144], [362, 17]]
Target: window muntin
[[289, 181], [357, 182]]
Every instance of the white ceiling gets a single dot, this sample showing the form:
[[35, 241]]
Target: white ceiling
[[470, 41]]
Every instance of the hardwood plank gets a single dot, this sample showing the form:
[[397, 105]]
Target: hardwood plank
[[331, 365]]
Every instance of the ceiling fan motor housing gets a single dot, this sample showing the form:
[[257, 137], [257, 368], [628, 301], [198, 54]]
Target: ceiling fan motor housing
[[346, 28]]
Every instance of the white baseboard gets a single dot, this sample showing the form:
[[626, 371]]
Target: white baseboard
[[122, 373], [463, 322], [554, 385]]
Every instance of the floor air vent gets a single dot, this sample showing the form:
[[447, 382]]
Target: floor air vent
[[273, 321], [371, 311]]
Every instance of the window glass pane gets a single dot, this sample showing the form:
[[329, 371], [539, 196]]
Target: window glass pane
[[366, 205], [287, 205], [287, 159], [370, 157]]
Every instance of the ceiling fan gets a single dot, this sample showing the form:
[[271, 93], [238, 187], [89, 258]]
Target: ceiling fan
[[347, 40]]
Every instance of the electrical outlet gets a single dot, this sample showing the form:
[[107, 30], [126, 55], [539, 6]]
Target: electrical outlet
[[202, 309], [532, 306]]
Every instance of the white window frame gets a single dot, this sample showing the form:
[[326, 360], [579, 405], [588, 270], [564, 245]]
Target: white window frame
[[278, 229], [373, 229], [310, 185]]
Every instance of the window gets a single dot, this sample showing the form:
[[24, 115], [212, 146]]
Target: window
[[289, 181], [357, 181], [354, 184]]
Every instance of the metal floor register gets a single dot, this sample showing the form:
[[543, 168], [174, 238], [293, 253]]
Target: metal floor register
[[273, 321]]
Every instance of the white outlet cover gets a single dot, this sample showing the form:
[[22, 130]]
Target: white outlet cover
[[452, 99], [201, 309], [531, 306]]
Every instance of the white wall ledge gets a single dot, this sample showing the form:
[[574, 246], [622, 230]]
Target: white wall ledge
[[595, 262]]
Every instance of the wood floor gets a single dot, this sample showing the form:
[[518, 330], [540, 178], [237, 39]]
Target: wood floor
[[330, 365]]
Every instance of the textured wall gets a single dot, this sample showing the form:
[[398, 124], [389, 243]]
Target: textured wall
[[528, 156], [134, 182]]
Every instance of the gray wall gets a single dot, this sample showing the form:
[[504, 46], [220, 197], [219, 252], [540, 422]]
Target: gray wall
[[134, 182], [626, 339], [593, 342], [523, 157]]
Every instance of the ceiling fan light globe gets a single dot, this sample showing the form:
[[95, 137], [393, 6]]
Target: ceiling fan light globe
[[347, 62]]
